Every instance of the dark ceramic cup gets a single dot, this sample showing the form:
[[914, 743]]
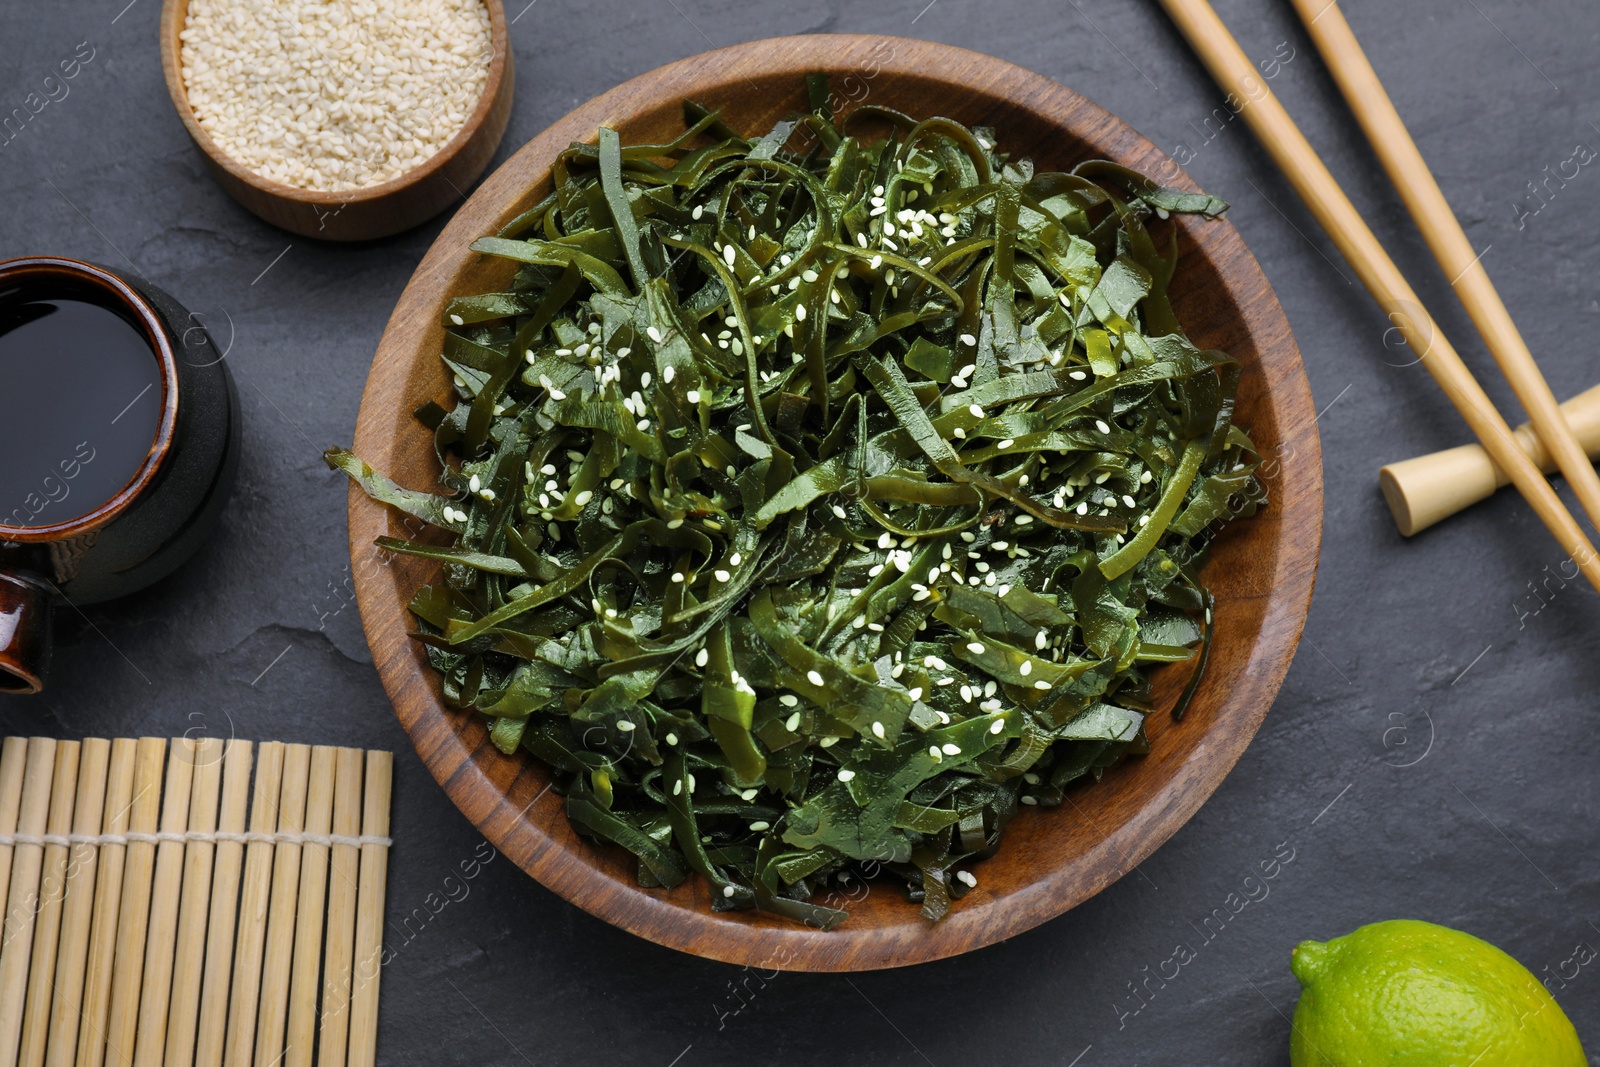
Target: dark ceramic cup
[[164, 512]]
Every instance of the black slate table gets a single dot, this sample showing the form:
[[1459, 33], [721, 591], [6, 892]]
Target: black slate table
[[1433, 753]]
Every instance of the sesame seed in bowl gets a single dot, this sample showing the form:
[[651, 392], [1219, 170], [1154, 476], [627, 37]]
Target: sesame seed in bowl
[[341, 119]]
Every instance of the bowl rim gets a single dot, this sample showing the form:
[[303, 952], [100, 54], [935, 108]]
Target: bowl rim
[[481, 784], [173, 15]]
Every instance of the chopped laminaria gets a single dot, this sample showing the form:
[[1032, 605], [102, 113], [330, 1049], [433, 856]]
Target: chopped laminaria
[[836, 571]]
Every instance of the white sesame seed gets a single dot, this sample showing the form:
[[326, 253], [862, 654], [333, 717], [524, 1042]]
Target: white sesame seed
[[975, 647], [693, 396], [1041, 684], [721, 575], [1026, 668], [1100, 425], [653, 333], [975, 411], [846, 774], [814, 677], [950, 750], [998, 726]]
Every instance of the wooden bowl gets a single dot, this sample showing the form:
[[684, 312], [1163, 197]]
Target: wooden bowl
[[1261, 570], [377, 210]]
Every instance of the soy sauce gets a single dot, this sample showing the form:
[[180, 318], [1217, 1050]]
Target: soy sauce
[[80, 403]]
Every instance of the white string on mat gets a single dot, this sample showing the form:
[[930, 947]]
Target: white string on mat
[[282, 837]]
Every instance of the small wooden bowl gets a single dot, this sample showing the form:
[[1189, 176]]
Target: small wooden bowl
[[1261, 570], [377, 210]]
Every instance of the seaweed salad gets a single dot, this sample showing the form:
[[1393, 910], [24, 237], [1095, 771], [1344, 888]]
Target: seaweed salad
[[812, 501]]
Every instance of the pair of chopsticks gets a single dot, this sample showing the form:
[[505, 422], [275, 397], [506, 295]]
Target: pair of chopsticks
[[1299, 162]]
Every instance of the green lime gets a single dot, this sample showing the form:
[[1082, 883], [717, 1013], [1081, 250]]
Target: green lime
[[1412, 994]]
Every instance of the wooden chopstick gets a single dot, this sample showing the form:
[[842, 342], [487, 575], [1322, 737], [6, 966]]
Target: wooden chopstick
[[278, 948], [52, 894], [101, 965], [344, 866], [211, 1026], [369, 913], [303, 986], [77, 911], [13, 758], [1277, 132], [255, 895], [1415, 182], [162, 931], [198, 859], [20, 917], [133, 921]]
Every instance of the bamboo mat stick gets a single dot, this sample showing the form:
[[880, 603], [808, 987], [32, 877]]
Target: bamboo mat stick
[[13, 761], [16, 935], [1423, 198], [344, 868], [369, 912], [253, 899], [279, 946], [107, 904], [163, 928], [303, 989], [133, 923], [1299, 162], [52, 891], [211, 1025], [188, 953], [77, 911]]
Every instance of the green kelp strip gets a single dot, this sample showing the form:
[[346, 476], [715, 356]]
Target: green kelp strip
[[814, 509]]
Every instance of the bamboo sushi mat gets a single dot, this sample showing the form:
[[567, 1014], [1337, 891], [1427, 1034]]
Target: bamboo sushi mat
[[149, 921]]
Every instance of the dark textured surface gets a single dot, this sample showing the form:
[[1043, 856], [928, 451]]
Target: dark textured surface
[[1432, 754]]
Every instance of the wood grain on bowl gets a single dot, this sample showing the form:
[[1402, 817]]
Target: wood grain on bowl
[[1261, 569], [374, 211]]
